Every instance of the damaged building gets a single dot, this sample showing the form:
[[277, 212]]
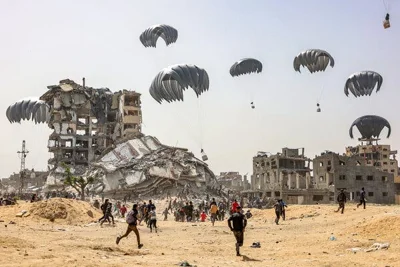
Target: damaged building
[[334, 172], [285, 175], [233, 180], [98, 133], [34, 181], [381, 157], [369, 165], [142, 166], [86, 121]]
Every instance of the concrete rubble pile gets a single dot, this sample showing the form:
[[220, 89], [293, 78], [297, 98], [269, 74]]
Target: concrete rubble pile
[[143, 166]]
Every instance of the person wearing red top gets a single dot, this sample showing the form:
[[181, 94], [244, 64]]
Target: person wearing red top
[[123, 211], [235, 204], [203, 216]]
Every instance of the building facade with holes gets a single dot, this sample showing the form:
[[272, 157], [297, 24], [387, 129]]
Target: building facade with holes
[[352, 172], [285, 175]]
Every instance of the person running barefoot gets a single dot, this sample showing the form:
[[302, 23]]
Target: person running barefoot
[[131, 220]]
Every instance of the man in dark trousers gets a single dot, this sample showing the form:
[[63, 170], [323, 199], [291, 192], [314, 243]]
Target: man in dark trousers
[[362, 198], [131, 220], [104, 209], [237, 223], [278, 211], [341, 199]]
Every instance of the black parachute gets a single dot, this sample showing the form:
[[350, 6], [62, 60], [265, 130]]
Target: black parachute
[[370, 126]]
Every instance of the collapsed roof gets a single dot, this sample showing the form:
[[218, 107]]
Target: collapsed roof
[[143, 165]]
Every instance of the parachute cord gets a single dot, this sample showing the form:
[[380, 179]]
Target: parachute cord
[[199, 117], [386, 5], [320, 95], [178, 118]]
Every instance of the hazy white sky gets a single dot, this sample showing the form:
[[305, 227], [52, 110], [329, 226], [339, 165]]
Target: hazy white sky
[[44, 41]]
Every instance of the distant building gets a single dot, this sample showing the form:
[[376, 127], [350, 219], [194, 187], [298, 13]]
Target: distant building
[[33, 180], [380, 156], [352, 172], [231, 180], [285, 175]]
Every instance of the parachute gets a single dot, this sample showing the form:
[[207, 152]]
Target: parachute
[[314, 60], [28, 109], [363, 83], [370, 126], [246, 66], [170, 82], [150, 36]]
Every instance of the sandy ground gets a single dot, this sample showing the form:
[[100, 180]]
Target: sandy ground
[[301, 240]]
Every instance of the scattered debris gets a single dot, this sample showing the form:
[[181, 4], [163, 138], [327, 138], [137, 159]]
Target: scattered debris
[[23, 213], [332, 238], [378, 246], [185, 263], [354, 250], [256, 245]]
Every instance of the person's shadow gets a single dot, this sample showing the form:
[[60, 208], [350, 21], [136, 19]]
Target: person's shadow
[[245, 258]]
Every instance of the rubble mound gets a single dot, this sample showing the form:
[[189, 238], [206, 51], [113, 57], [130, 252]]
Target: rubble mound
[[67, 210], [389, 225]]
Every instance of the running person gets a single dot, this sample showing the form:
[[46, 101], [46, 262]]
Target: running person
[[131, 219], [362, 198], [239, 222]]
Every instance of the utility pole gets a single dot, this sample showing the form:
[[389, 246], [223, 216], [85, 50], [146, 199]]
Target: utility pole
[[22, 172]]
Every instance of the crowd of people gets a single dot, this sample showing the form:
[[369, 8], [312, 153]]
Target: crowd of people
[[183, 211]]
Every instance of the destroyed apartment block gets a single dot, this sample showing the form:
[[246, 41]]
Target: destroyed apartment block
[[98, 133], [86, 121], [144, 166], [286, 176], [354, 171]]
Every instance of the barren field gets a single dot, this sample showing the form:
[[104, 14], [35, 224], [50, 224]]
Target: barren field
[[60, 233]]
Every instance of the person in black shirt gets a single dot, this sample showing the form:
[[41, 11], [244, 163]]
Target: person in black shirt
[[342, 199], [108, 214], [278, 211], [213, 202], [237, 223], [149, 208], [104, 209], [362, 198]]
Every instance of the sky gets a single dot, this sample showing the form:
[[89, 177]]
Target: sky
[[45, 41]]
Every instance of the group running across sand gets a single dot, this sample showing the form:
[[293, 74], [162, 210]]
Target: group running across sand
[[212, 210]]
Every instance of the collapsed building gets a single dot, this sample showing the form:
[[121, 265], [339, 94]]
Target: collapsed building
[[285, 175], [98, 133], [143, 166]]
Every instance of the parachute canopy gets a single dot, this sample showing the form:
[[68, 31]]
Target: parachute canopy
[[170, 82], [150, 36], [246, 66], [314, 60], [28, 109], [363, 83], [370, 126]]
